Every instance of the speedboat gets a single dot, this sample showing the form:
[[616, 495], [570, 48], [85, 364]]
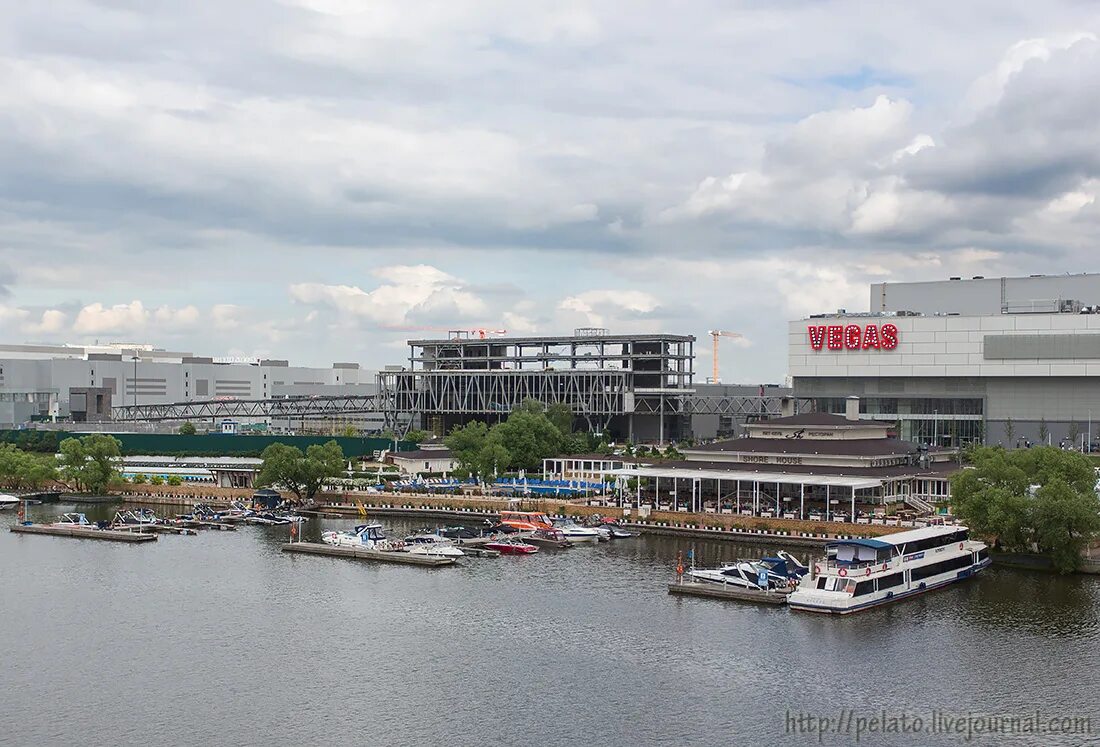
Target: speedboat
[[136, 518], [458, 533], [8, 502], [525, 521], [431, 544], [365, 537], [73, 520], [616, 531], [743, 574], [552, 537], [576, 533], [784, 564], [512, 546]]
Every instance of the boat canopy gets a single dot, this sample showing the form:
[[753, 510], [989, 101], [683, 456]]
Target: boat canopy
[[860, 550]]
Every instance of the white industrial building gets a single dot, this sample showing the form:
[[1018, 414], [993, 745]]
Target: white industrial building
[[1004, 360], [42, 382]]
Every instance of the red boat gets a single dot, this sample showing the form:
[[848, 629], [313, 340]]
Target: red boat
[[510, 546]]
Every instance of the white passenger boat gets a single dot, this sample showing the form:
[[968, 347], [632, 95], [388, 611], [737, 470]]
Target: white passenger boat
[[858, 574], [432, 545], [8, 502], [365, 537]]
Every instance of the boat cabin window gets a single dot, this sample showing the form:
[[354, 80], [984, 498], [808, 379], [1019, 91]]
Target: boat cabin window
[[858, 554], [864, 587], [944, 566], [889, 582], [951, 538], [835, 583]]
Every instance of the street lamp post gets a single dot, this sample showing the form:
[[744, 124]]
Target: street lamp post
[[935, 427], [135, 359]]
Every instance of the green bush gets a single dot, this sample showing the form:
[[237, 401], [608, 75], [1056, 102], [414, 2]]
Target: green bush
[[156, 480], [175, 480], [139, 479]]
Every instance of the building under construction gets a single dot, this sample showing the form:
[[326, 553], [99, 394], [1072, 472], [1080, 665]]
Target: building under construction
[[628, 386]]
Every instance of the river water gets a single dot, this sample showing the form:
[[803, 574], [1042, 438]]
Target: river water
[[221, 639]]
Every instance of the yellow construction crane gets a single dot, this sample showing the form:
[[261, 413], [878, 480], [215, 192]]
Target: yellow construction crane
[[715, 334]]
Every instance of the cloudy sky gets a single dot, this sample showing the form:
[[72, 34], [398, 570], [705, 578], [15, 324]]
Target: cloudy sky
[[321, 179]]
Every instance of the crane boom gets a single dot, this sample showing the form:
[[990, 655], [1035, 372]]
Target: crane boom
[[715, 334]]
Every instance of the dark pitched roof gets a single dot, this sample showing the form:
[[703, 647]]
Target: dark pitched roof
[[817, 418], [832, 447], [423, 454], [937, 469]]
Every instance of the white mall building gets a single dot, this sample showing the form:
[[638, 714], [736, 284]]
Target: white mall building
[[1010, 360]]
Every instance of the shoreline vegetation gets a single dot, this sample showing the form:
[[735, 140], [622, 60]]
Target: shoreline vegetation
[[1036, 505]]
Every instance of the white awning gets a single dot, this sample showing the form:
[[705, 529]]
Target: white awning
[[687, 473]]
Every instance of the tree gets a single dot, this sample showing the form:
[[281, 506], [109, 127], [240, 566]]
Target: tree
[[1010, 432], [349, 431], [21, 470], [529, 437], [1074, 434], [994, 497], [187, 429], [89, 462], [417, 436], [492, 460], [561, 416], [1044, 431], [1065, 522], [301, 474], [465, 443]]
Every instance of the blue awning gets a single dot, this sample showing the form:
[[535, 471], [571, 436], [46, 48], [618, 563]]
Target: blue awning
[[872, 543]]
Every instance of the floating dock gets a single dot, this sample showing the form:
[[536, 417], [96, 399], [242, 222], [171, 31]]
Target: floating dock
[[403, 558], [83, 533], [724, 591]]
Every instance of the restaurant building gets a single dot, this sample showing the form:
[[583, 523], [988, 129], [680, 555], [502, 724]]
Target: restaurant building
[[816, 466]]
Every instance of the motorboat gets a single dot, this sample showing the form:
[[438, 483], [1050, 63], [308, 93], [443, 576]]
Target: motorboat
[[74, 520], [135, 518], [8, 502], [616, 531], [458, 533], [576, 533], [512, 546], [785, 564], [364, 537], [858, 574], [432, 544], [525, 521], [608, 528], [743, 574], [550, 537]]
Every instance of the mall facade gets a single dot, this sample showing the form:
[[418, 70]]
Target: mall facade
[[1006, 360]]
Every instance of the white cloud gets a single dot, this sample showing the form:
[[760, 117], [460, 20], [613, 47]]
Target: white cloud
[[99, 319], [407, 291]]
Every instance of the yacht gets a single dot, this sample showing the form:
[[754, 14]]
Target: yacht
[[857, 574], [364, 537]]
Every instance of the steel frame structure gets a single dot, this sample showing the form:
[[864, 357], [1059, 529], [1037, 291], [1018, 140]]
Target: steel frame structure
[[293, 407], [579, 400]]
